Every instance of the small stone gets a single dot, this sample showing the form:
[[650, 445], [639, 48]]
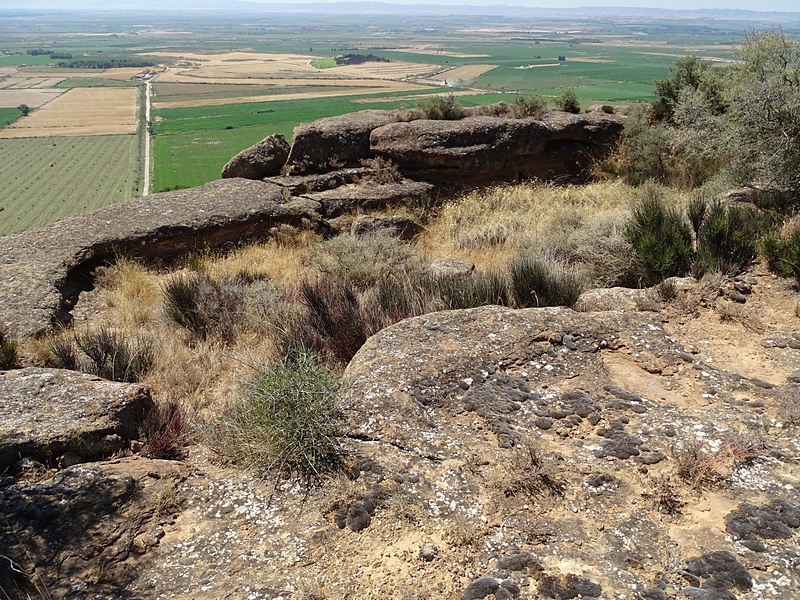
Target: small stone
[[428, 551], [738, 297]]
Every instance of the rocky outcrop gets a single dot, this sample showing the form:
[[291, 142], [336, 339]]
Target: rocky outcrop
[[56, 417], [335, 142], [75, 532], [44, 270], [480, 149], [368, 196], [264, 159]]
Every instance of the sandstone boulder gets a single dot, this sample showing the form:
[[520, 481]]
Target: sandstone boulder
[[481, 149], [47, 413], [334, 142], [44, 270], [264, 159]]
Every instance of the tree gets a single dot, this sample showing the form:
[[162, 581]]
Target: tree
[[24, 109], [764, 115], [568, 101]]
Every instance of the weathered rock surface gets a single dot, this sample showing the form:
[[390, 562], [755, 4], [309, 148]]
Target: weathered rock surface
[[71, 536], [399, 226], [43, 270], [480, 149], [47, 413], [264, 159], [369, 196], [334, 142]]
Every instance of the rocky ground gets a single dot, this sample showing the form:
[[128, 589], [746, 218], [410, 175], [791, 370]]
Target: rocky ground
[[538, 453]]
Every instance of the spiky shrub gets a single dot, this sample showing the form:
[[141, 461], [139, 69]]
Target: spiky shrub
[[661, 239], [164, 431], [727, 239], [205, 306], [287, 422], [331, 322], [113, 356], [103, 352], [542, 281], [8, 351], [459, 291], [440, 108], [783, 253]]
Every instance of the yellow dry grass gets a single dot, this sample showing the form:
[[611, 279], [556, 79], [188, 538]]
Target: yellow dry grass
[[28, 83], [33, 98], [465, 72], [336, 90], [79, 112]]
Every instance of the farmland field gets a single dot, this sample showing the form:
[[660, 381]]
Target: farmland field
[[32, 97], [45, 179], [81, 111], [9, 115]]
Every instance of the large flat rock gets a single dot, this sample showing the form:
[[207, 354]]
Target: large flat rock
[[46, 413], [43, 270]]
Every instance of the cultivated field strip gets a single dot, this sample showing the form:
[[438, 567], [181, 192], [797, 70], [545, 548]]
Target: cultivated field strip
[[11, 98], [81, 111], [45, 179]]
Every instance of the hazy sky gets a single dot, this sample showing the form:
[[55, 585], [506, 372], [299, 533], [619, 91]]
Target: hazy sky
[[761, 5]]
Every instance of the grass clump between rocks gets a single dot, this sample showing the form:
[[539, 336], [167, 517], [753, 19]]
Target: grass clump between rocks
[[440, 108], [8, 351], [543, 281], [287, 422]]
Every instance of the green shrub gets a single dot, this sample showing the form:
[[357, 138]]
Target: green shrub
[[539, 282], [288, 421], [608, 109], [568, 102], [661, 239], [532, 106], [103, 352], [440, 108], [727, 239], [783, 253], [204, 306], [8, 351]]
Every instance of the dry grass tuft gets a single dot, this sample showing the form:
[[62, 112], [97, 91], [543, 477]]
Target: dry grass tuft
[[696, 464]]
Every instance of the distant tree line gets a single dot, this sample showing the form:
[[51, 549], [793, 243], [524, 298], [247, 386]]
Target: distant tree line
[[114, 63], [51, 53], [357, 59]]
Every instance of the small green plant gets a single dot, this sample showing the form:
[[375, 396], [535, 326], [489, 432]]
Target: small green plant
[[8, 351], [478, 289], [288, 421], [542, 281], [661, 239], [608, 109], [440, 108], [568, 101], [204, 306]]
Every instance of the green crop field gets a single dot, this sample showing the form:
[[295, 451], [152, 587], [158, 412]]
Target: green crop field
[[48, 178], [191, 145], [8, 116]]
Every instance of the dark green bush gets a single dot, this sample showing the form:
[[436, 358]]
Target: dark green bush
[[608, 109], [568, 102], [440, 107], [727, 239], [204, 306], [8, 351], [288, 422], [783, 253], [661, 239], [539, 281]]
